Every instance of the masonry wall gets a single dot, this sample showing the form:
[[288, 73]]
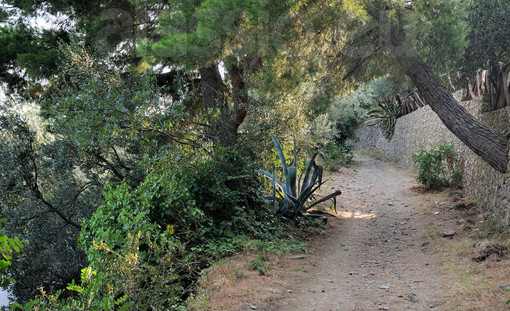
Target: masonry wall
[[482, 184]]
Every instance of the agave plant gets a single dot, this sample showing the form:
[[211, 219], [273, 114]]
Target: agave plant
[[385, 116], [293, 198]]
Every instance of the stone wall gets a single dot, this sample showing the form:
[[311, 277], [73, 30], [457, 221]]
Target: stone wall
[[482, 184]]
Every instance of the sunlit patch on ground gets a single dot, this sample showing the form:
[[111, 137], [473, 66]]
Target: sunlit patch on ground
[[356, 215]]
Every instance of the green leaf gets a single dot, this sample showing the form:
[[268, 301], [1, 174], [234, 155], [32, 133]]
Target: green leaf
[[267, 174], [279, 150]]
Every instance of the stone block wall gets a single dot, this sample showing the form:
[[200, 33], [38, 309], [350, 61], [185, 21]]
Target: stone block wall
[[482, 184]]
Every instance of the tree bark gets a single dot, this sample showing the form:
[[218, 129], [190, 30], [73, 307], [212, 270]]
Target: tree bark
[[214, 93], [241, 98], [213, 87], [486, 142]]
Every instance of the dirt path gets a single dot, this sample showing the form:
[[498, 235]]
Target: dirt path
[[384, 251], [375, 258]]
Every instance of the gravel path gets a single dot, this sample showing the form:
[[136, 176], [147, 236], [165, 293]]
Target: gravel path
[[376, 257]]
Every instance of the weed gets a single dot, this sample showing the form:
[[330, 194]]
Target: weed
[[259, 264], [338, 155]]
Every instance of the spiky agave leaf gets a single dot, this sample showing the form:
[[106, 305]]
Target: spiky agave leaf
[[311, 165], [294, 162], [289, 172], [291, 179], [279, 150], [331, 196], [274, 178]]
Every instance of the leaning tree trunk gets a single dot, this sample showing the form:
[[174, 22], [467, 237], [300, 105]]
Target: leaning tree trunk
[[486, 142]]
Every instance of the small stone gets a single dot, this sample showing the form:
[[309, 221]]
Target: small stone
[[253, 307], [449, 234], [412, 297], [385, 286], [436, 213], [289, 291], [461, 221], [505, 287], [298, 257], [383, 308], [482, 245]]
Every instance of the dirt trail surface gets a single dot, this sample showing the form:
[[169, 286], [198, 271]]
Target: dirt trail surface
[[385, 250], [375, 260]]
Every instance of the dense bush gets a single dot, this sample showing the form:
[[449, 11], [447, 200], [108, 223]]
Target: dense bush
[[438, 167], [338, 155], [151, 242], [147, 246], [347, 113]]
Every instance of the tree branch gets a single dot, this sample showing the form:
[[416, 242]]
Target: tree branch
[[32, 184], [110, 165]]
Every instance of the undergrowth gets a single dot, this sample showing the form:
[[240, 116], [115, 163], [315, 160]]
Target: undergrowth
[[148, 244]]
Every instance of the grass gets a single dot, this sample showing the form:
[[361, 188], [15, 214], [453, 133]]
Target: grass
[[279, 246], [476, 285], [374, 154], [230, 280]]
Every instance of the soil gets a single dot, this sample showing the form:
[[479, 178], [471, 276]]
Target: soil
[[390, 246]]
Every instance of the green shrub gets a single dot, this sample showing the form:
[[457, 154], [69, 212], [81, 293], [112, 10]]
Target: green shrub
[[186, 214], [89, 295], [147, 245], [439, 167], [338, 155], [138, 257], [8, 246]]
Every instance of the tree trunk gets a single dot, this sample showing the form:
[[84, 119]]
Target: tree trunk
[[213, 87], [224, 128], [486, 142], [241, 98]]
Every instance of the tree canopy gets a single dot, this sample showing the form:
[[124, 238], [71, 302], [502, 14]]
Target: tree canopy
[[143, 95]]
